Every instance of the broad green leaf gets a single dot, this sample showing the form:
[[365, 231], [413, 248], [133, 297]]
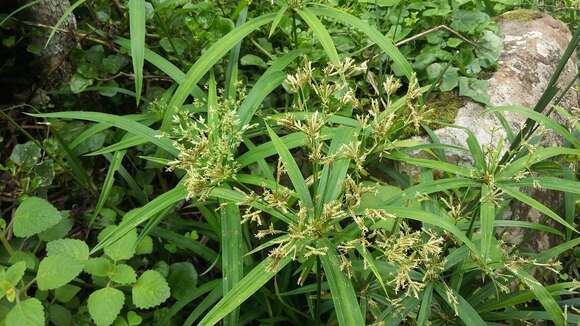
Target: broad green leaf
[[59, 315], [251, 283], [99, 266], [344, 298], [66, 293], [150, 290], [56, 271], [137, 31], [182, 279], [73, 248], [123, 274], [475, 89], [124, 247], [34, 215], [292, 169], [543, 295], [105, 305], [58, 231], [26, 313], [210, 57], [321, 33]]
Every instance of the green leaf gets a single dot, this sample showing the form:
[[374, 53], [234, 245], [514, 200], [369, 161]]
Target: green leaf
[[425, 310], [150, 290], [123, 248], [105, 305], [487, 218], [59, 315], [56, 271], [26, 155], [321, 33], [475, 89], [372, 33], [464, 310], [123, 274], [34, 215], [100, 266], [536, 205], [15, 273], [66, 293], [232, 255], [543, 295], [26, 313], [137, 216], [344, 298], [252, 60], [182, 279], [210, 57], [292, 169], [137, 31], [543, 120], [73, 248], [58, 231], [279, 16], [251, 283], [121, 122], [432, 164]]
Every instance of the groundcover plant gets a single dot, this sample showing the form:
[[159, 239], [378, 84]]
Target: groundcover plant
[[251, 164]]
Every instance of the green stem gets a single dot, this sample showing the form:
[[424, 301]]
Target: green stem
[[318, 291], [6, 244]]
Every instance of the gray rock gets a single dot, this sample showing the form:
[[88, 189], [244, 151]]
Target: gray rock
[[532, 49]]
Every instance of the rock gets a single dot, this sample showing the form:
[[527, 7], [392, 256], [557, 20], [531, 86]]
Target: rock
[[533, 45]]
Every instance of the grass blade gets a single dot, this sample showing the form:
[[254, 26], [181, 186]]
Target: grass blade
[[292, 169], [62, 18], [543, 295], [137, 31], [277, 20], [464, 310], [372, 33], [121, 122], [140, 215], [249, 285], [321, 33], [536, 205], [232, 255], [425, 310], [107, 184], [343, 296], [487, 217], [210, 57]]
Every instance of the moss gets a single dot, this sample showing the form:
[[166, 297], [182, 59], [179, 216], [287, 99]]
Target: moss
[[442, 109], [521, 15]]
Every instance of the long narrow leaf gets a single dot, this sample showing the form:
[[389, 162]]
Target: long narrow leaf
[[137, 32]]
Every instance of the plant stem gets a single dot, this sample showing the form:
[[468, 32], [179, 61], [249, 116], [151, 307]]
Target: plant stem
[[318, 291], [6, 244]]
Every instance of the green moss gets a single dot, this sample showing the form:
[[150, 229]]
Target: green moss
[[521, 15], [441, 110]]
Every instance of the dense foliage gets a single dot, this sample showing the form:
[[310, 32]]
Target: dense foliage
[[250, 163]]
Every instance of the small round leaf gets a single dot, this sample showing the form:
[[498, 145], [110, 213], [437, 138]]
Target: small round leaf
[[150, 290]]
